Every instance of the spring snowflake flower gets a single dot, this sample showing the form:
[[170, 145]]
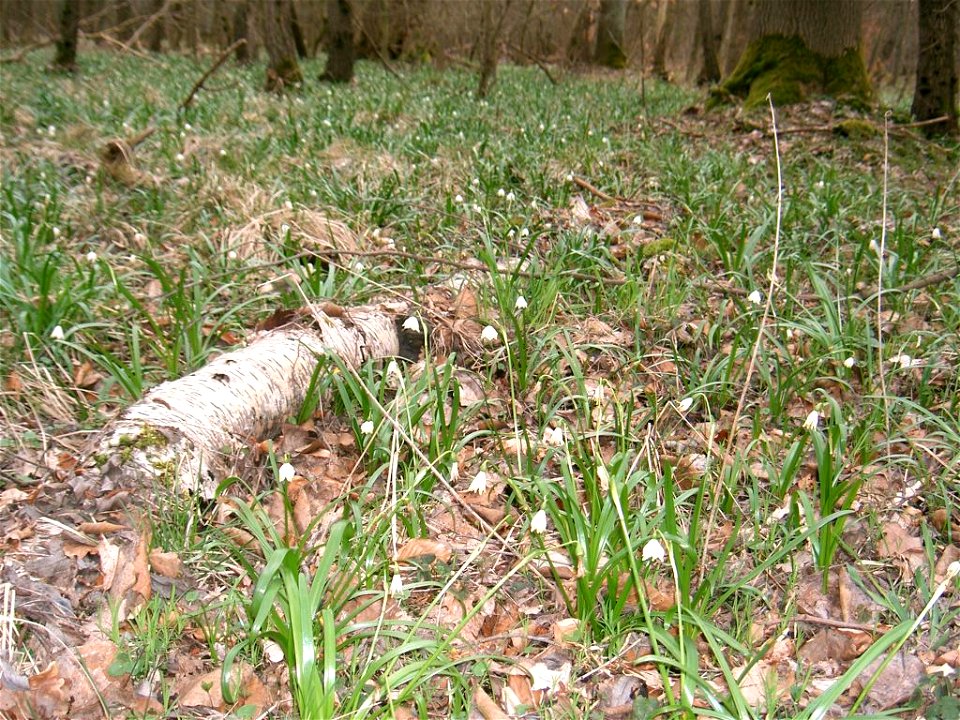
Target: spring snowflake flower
[[458, 198], [366, 427], [393, 369], [479, 483], [501, 192], [598, 393], [396, 585], [569, 177], [755, 297], [489, 335], [685, 404], [520, 304], [55, 231], [286, 472], [905, 361], [454, 472], [56, 333], [179, 157], [553, 437], [653, 551], [525, 232], [91, 257], [412, 324], [812, 421], [232, 255], [935, 233], [538, 523], [223, 153], [511, 197], [849, 362]]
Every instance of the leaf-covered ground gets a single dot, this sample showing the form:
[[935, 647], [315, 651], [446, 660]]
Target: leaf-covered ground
[[679, 444]]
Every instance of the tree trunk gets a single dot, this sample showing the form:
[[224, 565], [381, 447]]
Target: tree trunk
[[155, 31], [124, 14], [710, 68], [610, 50], [799, 48], [665, 20], [283, 70], [494, 13], [241, 31], [297, 33], [66, 58], [935, 94], [583, 37], [190, 432], [340, 47]]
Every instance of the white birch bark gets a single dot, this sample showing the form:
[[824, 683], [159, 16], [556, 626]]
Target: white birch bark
[[188, 432]]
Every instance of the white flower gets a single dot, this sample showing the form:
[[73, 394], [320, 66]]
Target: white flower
[[91, 257], [313, 193], [953, 569], [188, 127], [479, 483], [56, 333], [874, 247], [454, 472], [56, 231], [520, 304], [288, 205], [553, 436], [284, 229], [850, 362], [476, 208], [139, 238], [653, 551], [511, 233], [569, 177], [905, 361], [475, 182], [327, 123], [376, 232], [458, 198], [51, 130], [637, 220], [179, 157], [411, 324], [223, 153], [396, 585], [541, 127], [755, 297], [366, 427], [935, 233], [511, 197], [812, 421], [524, 233], [501, 192], [286, 472], [819, 183], [685, 404], [489, 335], [232, 255], [393, 369], [272, 651], [538, 523], [598, 393]]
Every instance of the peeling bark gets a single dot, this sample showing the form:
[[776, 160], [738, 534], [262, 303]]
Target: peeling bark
[[188, 433]]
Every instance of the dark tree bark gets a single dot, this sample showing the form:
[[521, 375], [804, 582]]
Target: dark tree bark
[[491, 25], [340, 48], [799, 48], [610, 50], [710, 69], [124, 20], [283, 70], [666, 16], [66, 58], [297, 33], [241, 31], [583, 38], [155, 32], [935, 94]]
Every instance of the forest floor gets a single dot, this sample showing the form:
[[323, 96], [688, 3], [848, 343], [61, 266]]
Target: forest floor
[[688, 446]]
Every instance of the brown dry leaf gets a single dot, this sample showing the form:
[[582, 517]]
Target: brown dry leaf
[[895, 684], [836, 644], [93, 680], [904, 548], [205, 691], [426, 549], [486, 705], [762, 678], [49, 695], [565, 631], [126, 574], [951, 553], [941, 521], [85, 377], [166, 564], [100, 528]]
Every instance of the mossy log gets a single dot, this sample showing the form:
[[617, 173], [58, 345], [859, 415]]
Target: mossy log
[[790, 72], [188, 433]]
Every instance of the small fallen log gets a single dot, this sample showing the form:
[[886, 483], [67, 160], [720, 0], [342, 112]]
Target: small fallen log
[[188, 433]]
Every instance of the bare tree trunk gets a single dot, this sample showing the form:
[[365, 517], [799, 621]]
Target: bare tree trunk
[[241, 31], [283, 69], [583, 38], [935, 94], [710, 68], [736, 25], [610, 51], [340, 48], [66, 58], [494, 13], [155, 32], [124, 14], [297, 33], [666, 15]]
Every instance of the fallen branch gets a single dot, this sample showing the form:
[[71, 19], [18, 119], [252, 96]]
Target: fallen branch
[[213, 68], [187, 433], [23, 52], [149, 21]]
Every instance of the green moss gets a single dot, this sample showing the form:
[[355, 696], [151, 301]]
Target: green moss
[[789, 72], [856, 129], [658, 247]]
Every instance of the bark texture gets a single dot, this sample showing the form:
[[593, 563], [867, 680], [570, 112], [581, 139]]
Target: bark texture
[[935, 93], [283, 69], [188, 433], [709, 42], [798, 49], [340, 49], [610, 50], [66, 58]]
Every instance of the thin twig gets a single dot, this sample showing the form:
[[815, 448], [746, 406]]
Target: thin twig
[[213, 68], [23, 52], [539, 63], [829, 622], [149, 21]]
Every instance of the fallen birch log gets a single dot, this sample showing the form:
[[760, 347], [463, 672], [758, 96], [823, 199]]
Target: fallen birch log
[[187, 433]]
